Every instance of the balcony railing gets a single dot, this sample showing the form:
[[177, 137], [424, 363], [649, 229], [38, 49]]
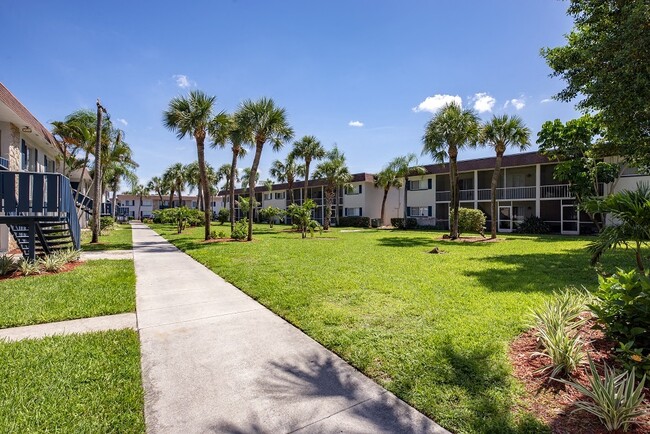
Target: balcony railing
[[4, 163], [445, 196], [509, 193]]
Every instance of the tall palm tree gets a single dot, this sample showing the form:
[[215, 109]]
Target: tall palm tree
[[451, 129], [225, 172], [308, 149], [387, 179], [158, 185], [247, 176], [193, 115], [230, 132], [286, 171], [336, 174], [405, 167], [140, 191], [262, 121], [499, 133], [115, 174], [177, 178], [194, 181]]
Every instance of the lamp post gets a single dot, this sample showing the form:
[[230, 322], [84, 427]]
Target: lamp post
[[98, 175]]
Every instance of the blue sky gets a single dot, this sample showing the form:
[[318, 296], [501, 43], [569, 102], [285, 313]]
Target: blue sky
[[361, 74]]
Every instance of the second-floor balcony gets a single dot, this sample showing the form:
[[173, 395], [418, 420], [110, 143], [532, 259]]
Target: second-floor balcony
[[4, 163]]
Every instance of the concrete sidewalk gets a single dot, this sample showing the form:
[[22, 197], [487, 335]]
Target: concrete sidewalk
[[83, 325], [214, 360]]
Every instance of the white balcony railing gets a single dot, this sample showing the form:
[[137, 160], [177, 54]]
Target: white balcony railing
[[443, 196], [508, 193], [554, 191]]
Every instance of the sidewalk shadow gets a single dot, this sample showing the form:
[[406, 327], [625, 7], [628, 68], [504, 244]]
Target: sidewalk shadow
[[321, 377]]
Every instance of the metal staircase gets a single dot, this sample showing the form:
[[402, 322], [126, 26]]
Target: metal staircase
[[40, 211]]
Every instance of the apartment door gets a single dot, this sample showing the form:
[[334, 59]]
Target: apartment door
[[570, 220], [505, 218]]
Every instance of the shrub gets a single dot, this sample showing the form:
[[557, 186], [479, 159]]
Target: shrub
[[616, 402], [70, 255], [7, 265], [623, 307], [313, 227], [354, 221], [221, 234], [105, 223], [469, 220], [180, 216], [53, 262], [375, 223], [533, 225], [301, 215], [147, 220], [411, 223], [564, 348], [27, 267], [240, 232], [195, 217], [223, 216], [270, 213]]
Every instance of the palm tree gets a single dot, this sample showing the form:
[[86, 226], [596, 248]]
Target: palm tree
[[225, 171], [140, 191], [158, 185], [404, 167], [499, 133], [246, 177], [451, 129], [114, 175], [631, 210], [262, 122], [230, 133], [177, 178], [194, 180], [286, 171], [387, 179], [308, 148], [193, 115], [336, 174]]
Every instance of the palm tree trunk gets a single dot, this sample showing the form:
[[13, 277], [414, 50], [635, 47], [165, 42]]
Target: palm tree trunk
[[114, 204], [199, 197], [290, 185], [329, 194], [493, 194], [406, 188], [383, 207], [251, 188], [304, 196], [171, 196], [453, 176], [180, 195], [231, 187], [204, 188]]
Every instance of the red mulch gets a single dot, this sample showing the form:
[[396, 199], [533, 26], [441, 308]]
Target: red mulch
[[221, 240], [474, 239], [67, 267], [552, 401]]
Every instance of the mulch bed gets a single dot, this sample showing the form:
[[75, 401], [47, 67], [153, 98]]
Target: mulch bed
[[552, 401], [221, 240], [473, 240], [67, 267]]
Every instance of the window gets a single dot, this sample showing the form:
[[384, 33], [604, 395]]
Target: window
[[352, 190], [419, 211], [420, 184], [280, 195], [352, 212], [466, 184], [268, 196]]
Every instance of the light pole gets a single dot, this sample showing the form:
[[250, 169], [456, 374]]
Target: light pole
[[98, 175]]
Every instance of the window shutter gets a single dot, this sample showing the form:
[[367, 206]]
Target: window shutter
[[408, 211], [360, 209], [345, 212], [359, 188], [430, 186], [430, 208], [408, 185]]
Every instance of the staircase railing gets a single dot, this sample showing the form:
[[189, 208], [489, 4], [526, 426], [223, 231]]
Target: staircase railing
[[36, 194]]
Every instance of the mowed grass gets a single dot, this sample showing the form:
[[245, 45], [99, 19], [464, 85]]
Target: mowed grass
[[94, 288], [86, 383], [432, 328], [118, 238]]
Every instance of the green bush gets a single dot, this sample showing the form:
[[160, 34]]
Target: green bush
[[411, 223], [195, 217], [53, 263], [240, 232], [354, 222], [105, 223], [27, 267], [223, 216], [623, 307], [533, 225], [469, 220], [7, 265]]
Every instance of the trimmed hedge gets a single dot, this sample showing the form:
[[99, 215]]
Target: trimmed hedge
[[354, 221], [533, 225], [469, 220], [411, 223]]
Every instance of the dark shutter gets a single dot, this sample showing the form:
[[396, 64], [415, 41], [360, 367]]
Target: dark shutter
[[360, 209], [35, 160], [430, 209], [345, 212], [408, 211], [430, 186], [359, 188], [408, 185]]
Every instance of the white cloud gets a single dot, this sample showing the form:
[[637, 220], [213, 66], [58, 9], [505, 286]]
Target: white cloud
[[545, 100], [355, 124], [183, 81], [434, 103], [123, 122], [483, 102], [517, 103]]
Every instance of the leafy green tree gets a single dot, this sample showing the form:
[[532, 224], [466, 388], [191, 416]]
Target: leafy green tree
[[336, 175], [287, 171], [577, 147], [405, 167], [387, 179], [271, 213], [230, 133], [261, 122], [193, 115], [451, 129], [605, 64], [500, 133], [301, 215], [308, 149], [630, 214]]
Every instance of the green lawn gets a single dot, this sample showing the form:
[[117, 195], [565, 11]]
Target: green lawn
[[118, 238], [94, 288], [86, 383], [431, 328]]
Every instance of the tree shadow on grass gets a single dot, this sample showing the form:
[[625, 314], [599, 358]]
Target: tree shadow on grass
[[102, 247], [327, 396], [405, 241]]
